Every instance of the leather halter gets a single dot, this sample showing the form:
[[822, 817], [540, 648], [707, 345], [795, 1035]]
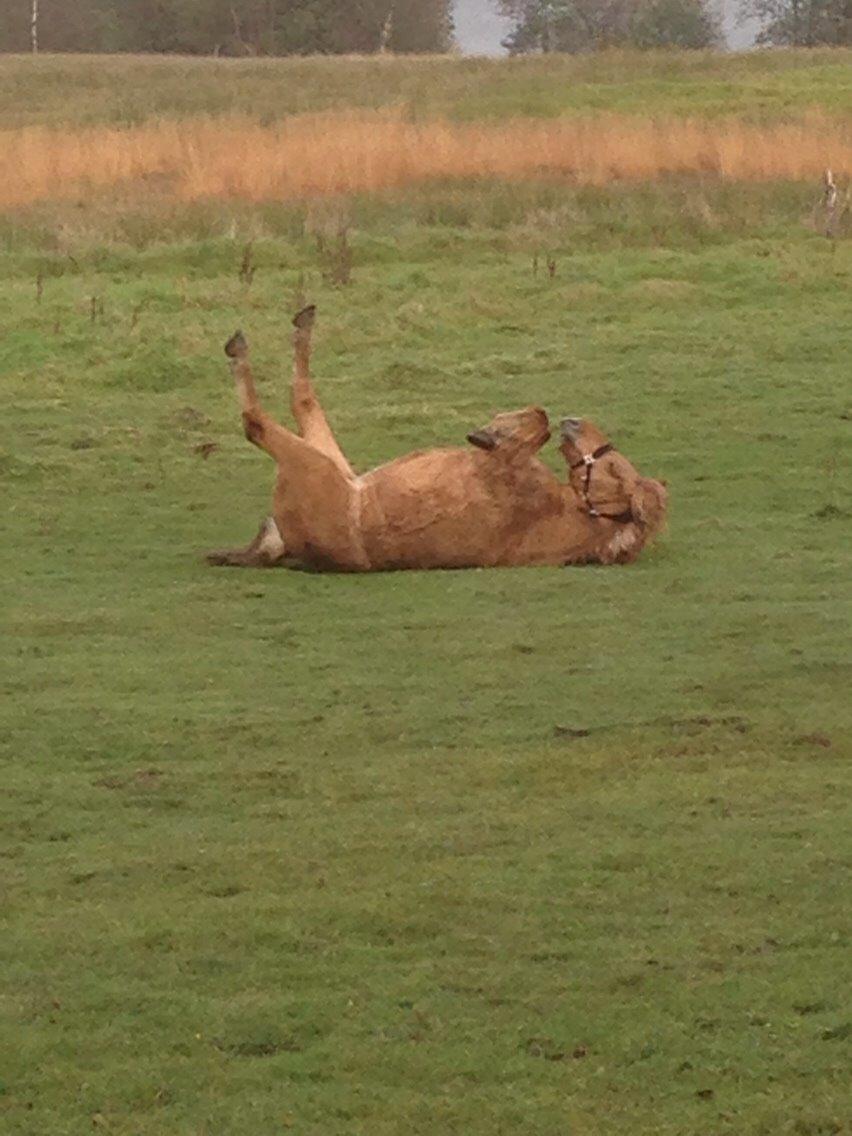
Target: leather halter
[[589, 460]]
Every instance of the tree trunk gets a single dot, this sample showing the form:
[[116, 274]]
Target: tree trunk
[[387, 31], [546, 31], [797, 23], [34, 27]]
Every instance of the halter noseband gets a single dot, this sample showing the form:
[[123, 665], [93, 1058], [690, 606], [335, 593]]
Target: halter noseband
[[589, 460]]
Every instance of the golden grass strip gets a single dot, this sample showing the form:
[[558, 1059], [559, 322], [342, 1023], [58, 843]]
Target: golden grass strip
[[318, 155]]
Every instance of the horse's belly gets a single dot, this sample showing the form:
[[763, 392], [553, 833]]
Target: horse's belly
[[430, 510]]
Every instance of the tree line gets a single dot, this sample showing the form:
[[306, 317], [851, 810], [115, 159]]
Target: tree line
[[228, 27], [287, 27], [802, 23], [589, 25]]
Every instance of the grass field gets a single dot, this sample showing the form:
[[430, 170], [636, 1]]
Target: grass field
[[761, 85], [311, 156], [273, 131], [559, 852]]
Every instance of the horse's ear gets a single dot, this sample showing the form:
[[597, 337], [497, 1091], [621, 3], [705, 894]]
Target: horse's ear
[[649, 503], [483, 439]]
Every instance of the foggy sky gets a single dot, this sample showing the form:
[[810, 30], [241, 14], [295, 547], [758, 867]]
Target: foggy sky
[[479, 29]]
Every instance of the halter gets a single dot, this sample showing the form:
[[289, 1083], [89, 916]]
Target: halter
[[589, 460]]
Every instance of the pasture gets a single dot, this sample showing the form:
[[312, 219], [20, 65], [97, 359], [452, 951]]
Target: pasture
[[455, 852]]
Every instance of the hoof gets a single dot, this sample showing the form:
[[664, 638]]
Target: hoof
[[243, 558], [237, 346], [304, 320], [265, 551], [221, 559]]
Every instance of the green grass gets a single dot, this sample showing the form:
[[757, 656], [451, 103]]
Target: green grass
[[488, 852], [83, 90], [485, 852]]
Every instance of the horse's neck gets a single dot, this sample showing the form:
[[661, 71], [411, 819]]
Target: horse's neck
[[598, 540]]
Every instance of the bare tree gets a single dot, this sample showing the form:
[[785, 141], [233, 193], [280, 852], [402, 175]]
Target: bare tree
[[243, 47], [801, 23], [34, 27], [387, 31], [833, 205]]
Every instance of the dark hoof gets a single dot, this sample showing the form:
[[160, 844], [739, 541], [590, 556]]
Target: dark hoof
[[265, 551], [237, 346], [304, 320], [222, 559]]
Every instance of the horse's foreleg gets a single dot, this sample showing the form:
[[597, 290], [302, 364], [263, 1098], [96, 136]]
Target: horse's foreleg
[[267, 550]]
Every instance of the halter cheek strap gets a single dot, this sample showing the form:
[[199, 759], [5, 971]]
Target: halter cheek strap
[[589, 460]]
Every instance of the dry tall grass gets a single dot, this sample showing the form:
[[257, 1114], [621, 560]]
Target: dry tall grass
[[314, 155]]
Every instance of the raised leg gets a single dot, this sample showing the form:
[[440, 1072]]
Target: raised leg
[[307, 410], [316, 504]]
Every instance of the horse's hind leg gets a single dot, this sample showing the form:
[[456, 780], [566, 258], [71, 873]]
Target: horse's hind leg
[[316, 504], [267, 550], [307, 409]]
